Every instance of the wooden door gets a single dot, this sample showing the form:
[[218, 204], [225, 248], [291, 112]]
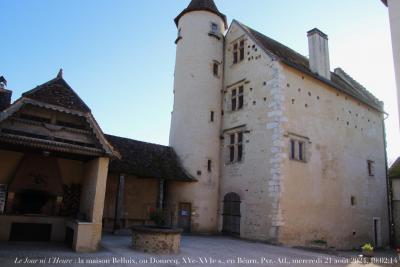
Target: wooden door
[[184, 217], [231, 215]]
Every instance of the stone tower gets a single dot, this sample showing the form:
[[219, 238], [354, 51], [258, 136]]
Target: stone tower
[[196, 116]]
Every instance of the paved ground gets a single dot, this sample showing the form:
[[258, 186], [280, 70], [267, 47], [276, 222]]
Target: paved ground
[[195, 251]]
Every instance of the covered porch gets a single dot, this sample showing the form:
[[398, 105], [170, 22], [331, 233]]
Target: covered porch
[[53, 169], [138, 185]]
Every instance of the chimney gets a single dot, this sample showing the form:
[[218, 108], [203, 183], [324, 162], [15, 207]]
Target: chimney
[[319, 53], [5, 95]]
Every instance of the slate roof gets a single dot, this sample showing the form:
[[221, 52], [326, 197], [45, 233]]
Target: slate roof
[[146, 160], [339, 79], [57, 92], [394, 170], [205, 5]]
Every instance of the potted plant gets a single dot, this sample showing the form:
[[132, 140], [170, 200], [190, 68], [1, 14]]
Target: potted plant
[[367, 250], [157, 216]]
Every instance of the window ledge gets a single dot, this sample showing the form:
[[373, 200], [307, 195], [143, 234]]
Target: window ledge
[[212, 34], [298, 160], [178, 39]]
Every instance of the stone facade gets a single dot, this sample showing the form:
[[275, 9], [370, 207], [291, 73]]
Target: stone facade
[[304, 152]]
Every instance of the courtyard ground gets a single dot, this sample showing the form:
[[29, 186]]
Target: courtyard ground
[[195, 251]]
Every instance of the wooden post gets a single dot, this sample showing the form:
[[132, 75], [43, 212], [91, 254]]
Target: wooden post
[[160, 197], [119, 203]]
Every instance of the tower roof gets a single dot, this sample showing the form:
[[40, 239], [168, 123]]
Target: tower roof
[[204, 5]]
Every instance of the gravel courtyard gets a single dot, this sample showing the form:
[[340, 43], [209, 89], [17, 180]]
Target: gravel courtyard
[[195, 251]]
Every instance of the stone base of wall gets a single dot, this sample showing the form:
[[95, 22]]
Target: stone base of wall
[[156, 240]]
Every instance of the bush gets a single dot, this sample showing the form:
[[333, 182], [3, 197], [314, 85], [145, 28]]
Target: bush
[[368, 247]]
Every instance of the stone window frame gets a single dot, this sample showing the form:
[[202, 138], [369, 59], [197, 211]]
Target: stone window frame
[[298, 148], [234, 145], [238, 50], [237, 97], [216, 69], [371, 168]]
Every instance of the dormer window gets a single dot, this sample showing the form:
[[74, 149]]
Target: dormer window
[[214, 28], [214, 31]]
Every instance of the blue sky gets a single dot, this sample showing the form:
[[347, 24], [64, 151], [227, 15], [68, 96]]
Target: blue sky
[[119, 55]]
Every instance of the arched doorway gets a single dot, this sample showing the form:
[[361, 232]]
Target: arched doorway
[[231, 214]]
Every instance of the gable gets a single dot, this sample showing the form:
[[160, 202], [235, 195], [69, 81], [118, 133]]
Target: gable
[[57, 92], [339, 79]]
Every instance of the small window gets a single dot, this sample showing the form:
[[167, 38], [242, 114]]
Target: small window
[[238, 51], [236, 147], [352, 200], [240, 146], [209, 165], [371, 167], [241, 50], [179, 33], [292, 149], [235, 53], [297, 150], [216, 69], [301, 151], [212, 116], [214, 28]]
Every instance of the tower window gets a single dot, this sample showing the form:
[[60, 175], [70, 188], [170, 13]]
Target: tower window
[[371, 167], [237, 100], [235, 147], [212, 116], [216, 69], [238, 51], [352, 200], [209, 165], [214, 28]]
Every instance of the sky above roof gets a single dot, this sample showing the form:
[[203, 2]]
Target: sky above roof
[[119, 56]]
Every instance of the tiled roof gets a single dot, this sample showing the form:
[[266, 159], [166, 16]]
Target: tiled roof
[[339, 79], [146, 160], [57, 92], [205, 5]]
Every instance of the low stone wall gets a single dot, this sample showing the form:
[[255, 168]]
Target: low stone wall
[[156, 240]]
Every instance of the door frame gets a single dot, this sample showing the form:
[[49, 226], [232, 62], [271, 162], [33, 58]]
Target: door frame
[[377, 231], [180, 204]]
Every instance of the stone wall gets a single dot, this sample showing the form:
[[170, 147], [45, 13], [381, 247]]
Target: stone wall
[[257, 178], [341, 135]]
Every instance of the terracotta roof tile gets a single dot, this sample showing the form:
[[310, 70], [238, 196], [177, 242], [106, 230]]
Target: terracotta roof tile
[[146, 160], [57, 92]]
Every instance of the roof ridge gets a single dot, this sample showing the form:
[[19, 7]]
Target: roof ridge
[[134, 140], [271, 39]]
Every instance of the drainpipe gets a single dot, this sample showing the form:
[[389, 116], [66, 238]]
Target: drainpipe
[[388, 190]]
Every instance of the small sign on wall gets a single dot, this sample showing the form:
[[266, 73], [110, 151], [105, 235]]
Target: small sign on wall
[[3, 194]]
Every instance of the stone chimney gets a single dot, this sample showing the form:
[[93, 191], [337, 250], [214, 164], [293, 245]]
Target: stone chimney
[[319, 53], [5, 95]]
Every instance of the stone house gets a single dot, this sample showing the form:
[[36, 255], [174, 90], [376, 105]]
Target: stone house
[[284, 150], [265, 144]]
